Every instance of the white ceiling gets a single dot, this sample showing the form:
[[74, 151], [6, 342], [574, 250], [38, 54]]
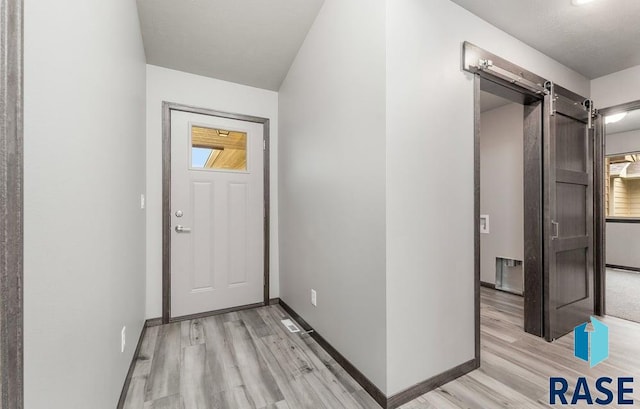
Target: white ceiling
[[594, 39], [250, 42]]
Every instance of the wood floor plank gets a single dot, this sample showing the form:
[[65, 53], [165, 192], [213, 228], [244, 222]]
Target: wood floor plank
[[135, 393], [331, 393], [254, 321], [232, 316], [304, 363], [278, 368], [440, 399], [365, 400], [192, 333], [258, 380], [531, 384], [295, 389], [418, 404], [336, 370], [168, 402], [222, 400], [164, 378], [279, 405], [225, 376], [143, 361], [195, 378]]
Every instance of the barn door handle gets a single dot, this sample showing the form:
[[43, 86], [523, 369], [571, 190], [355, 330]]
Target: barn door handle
[[556, 229]]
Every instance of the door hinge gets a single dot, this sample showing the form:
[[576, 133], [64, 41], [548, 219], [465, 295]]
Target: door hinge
[[264, 144]]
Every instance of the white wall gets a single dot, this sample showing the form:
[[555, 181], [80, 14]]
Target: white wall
[[175, 86], [623, 142], [617, 88], [501, 186], [332, 193], [614, 89], [84, 173], [622, 244], [430, 279]]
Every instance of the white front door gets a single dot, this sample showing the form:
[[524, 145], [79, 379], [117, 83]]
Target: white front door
[[217, 202]]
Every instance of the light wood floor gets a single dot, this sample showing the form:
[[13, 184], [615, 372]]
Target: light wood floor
[[516, 367], [248, 360], [239, 360]]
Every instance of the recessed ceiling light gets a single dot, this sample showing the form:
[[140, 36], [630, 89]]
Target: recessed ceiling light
[[611, 119], [580, 2]]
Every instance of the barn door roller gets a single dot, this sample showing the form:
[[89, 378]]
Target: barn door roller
[[488, 66]]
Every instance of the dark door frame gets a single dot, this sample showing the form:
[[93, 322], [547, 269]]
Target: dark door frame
[[492, 70], [167, 107], [11, 205]]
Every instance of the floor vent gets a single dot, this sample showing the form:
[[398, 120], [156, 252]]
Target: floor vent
[[290, 325]]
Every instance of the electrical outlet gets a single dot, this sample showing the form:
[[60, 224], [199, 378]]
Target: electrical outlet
[[123, 338], [314, 298]]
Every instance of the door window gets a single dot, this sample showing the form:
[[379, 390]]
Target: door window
[[218, 149]]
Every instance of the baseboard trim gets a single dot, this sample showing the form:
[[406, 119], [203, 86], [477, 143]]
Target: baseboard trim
[[430, 384], [487, 285], [636, 269], [634, 220], [153, 322], [132, 365], [219, 312], [366, 384], [398, 399]]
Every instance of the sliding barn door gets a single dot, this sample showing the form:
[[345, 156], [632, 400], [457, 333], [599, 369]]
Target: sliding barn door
[[568, 215]]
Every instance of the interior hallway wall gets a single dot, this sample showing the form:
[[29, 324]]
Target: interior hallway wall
[[332, 183], [335, 224], [189, 89], [84, 171], [617, 88], [623, 142], [614, 89], [430, 241], [501, 186]]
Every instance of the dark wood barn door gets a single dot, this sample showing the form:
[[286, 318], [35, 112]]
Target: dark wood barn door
[[568, 215]]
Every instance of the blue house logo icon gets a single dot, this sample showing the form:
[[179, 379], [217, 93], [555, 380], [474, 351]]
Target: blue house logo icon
[[595, 336]]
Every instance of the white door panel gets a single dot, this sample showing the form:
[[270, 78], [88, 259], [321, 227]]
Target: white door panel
[[219, 262]]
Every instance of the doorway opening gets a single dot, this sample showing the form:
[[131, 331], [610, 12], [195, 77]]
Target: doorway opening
[[509, 145], [561, 267], [215, 212], [621, 181], [502, 273]]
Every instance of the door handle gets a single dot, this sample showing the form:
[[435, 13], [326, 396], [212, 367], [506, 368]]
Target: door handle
[[556, 229], [182, 229]]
